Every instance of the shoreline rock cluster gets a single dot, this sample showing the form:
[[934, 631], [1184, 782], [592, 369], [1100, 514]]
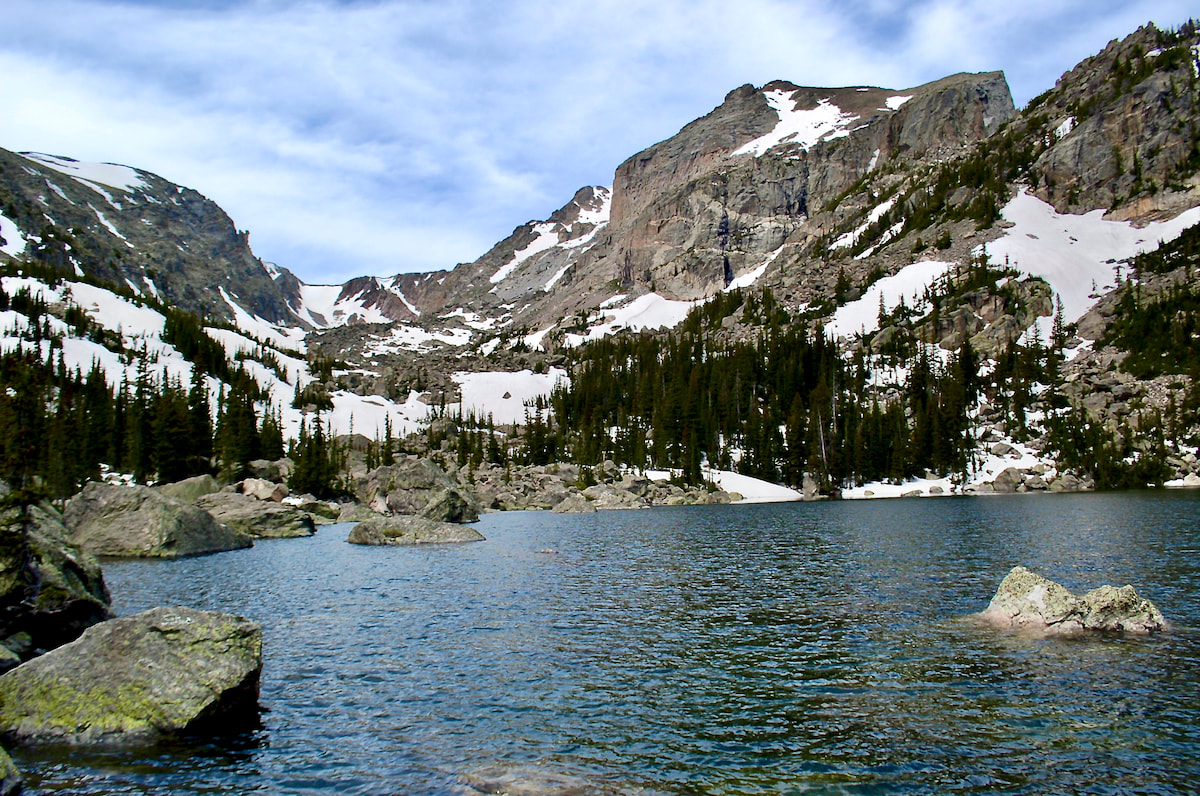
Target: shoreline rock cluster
[[570, 488]]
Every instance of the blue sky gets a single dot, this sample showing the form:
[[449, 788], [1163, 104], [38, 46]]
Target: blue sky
[[408, 135]]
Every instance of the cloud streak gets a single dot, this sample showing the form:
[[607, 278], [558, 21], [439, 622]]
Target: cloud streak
[[378, 137]]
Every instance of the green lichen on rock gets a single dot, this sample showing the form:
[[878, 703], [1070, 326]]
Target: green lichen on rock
[[10, 778], [161, 672]]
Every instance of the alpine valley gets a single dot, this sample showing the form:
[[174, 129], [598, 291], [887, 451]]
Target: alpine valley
[[842, 291]]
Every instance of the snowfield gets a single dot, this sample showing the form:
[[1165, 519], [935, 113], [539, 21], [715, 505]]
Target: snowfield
[[650, 311], [110, 174], [805, 127], [1078, 255], [862, 315], [503, 395], [14, 241]]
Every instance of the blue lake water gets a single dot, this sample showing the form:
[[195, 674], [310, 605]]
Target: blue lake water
[[789, 648]]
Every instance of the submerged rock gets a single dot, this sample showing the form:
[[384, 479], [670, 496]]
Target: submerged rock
[[138, 522], [1029, 601], [410, 530], [50, 590], [162, 672], [261, 519]]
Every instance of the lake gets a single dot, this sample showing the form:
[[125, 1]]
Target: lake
[[785, 648]]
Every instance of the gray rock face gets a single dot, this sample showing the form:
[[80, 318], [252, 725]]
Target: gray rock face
[[137, 522], [161, 672], [420, 487], [261, 519], [405, 530], [1029, 601], [574, 504], [262, 489], [189, 490], [50, 590]]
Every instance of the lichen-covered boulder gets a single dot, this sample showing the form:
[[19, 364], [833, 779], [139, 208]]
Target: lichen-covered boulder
[[166, 671], [50, 590], [138, 522], [10, 778], [261, 519], [419, 487], [403, 530], [1029, 601]]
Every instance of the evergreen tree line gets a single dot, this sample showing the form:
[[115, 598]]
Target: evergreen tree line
[[65, 428]]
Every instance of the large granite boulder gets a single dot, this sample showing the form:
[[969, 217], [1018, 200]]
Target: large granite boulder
[[1029, 601], [406, 529], [261, 519], [166, 671], [420, 487], [189, 490], [138, 522], [50, 590], [262, 489]]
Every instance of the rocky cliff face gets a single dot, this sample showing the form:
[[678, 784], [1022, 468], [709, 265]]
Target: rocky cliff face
[[1124, 128], [131, 227], [721, 198]]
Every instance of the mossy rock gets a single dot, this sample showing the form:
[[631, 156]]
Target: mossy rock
[[162, 672]]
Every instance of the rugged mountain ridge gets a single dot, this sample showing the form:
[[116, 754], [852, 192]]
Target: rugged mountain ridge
[[127, 226]]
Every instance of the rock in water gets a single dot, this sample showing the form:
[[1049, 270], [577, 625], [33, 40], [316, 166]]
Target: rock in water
[[10, 778], [261, 519], [50, 590], [1029, 601], [410, 530], [162, 672], [137, 522]]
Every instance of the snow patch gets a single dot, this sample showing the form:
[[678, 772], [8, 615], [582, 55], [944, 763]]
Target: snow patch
[[546, 238], [650, 311], [862, 315], [804, 127], [14, 241], [748, 279], [894, 103], [1076, 254], [502, 394], [110, 174]]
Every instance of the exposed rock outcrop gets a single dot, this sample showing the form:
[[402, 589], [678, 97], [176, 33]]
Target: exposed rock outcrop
[[138, 522], [261, 519], [263, 489], [162, 672], [1029, 601], [420, 487], [407, 529], [50, 590]]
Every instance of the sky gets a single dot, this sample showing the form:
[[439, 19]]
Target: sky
[[378, 137]]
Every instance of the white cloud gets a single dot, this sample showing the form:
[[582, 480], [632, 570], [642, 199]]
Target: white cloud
[[407, 135]]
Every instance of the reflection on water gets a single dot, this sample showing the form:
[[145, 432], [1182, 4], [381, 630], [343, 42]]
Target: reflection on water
[[707, 650]]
